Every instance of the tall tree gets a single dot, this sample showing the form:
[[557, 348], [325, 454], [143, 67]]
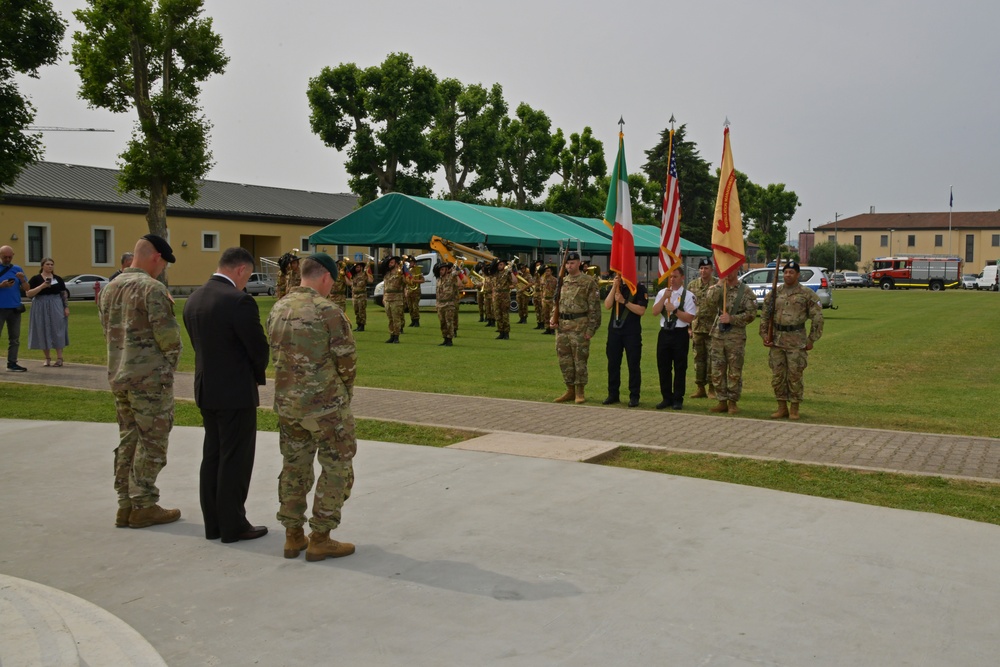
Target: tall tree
[[152, 56], [30, 31], [581, 165], [528, 153], [698, 184], [383, 115], [822, 254], [466, 133], [766, 212]]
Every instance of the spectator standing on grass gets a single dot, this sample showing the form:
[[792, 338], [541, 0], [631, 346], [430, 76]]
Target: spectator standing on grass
[[125, 263], [48, 324], [12, 281]]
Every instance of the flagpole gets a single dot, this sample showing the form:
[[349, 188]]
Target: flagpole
[[951, 202]]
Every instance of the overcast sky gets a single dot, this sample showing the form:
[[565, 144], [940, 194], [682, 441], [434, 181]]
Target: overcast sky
[[852, 104]]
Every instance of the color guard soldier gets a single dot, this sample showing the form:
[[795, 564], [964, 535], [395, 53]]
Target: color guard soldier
[[729, 338], [579, 319], [701, 328]]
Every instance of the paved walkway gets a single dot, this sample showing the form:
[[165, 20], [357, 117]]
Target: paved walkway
[[898, 451]]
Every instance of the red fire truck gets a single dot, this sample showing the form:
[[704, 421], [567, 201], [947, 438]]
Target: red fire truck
[[931, 272]]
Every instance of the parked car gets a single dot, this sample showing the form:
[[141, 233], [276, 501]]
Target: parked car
[[969, 281], [839, 280], [81, 285], [853, 279], [866, 280], [813, 277], [260, 283]]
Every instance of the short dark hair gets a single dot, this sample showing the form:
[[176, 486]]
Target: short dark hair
[[233, 258], [680, 270]]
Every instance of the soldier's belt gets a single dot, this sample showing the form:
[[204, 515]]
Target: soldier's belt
[[394, 291], [572, 316], [790, 327]]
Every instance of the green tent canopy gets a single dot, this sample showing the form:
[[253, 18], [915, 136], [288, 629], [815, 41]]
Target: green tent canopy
[[408, 221]]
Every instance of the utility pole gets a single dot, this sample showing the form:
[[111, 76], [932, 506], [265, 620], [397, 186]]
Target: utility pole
[[836, 240]]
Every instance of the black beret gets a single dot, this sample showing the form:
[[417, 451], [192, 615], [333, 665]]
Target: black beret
[[793, 265], [162, 247], [705, 261], [573, 255]]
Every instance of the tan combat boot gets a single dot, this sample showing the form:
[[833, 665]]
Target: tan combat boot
[[782, 411], [121, 519], [322, 547], [580, 397], [720, 407], [568, 396], [793, 410], [733, 409], [295, 542], [151, 516], [700, 393]]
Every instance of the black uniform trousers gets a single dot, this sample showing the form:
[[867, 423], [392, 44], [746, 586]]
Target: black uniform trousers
[[631, 345], [672, 346], [226, 466]]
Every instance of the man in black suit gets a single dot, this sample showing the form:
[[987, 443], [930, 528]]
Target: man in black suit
[[231, 354]]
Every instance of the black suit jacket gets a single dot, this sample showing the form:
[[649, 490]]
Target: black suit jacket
[[231, 350]]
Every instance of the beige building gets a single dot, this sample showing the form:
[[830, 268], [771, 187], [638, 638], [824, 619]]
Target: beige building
[[76, 215], [974, 237]]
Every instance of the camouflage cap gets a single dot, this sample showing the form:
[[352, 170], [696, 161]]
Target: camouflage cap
[[326, 261]]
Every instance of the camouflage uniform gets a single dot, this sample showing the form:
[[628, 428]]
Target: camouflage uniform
[[523, 300], [449, 291], [393, 300], [339, 292], [502, 284], [359, 294], [144, 345], [488, 297], [315, 364], [788, 357], [287, 280], [701, 332], [412, 294], [548, 292], [579, 319], [728, 348], [537, 299]]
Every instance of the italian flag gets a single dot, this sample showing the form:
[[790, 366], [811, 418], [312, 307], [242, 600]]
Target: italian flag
[[618, 217]]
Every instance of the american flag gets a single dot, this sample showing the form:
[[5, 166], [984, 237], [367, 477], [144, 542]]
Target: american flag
[[670, 229]]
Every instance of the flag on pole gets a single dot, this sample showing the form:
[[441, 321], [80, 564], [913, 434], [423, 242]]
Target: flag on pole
[[670, 229], [727, 233], [951, 198], [618, 216]]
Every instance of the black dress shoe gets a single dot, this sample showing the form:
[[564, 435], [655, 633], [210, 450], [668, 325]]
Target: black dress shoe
[[633, 402], [663, 404], [610, 400], [678, 405], [252, 534]]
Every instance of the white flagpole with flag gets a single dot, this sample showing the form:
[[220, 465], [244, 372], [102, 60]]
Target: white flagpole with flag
[[670, 229], [618, 216], [728, 250]]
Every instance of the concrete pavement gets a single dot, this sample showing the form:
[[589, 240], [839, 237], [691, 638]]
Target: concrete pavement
[[475, 558]]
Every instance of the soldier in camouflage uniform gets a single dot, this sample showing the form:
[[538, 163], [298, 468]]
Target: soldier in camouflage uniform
[[536, 299], [288, 274], [503, 283], [548, 284], [488, 279], [449, 291], [788, 345], [523, 300], [729, 338], [393, 297], [338, 294], [579, 319], [360, 280], [412, 291], [701, 328], [315, 364], [144, 345]]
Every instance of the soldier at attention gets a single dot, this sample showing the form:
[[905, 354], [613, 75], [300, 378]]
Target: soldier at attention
[[783, 328], [701, 328], [315, 362], [144, 346], [361, 278], [731, 306], [579, 318]]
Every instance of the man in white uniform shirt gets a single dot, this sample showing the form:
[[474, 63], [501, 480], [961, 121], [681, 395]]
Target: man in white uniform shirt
[[676, 307]]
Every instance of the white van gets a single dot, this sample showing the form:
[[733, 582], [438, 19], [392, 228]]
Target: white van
[[988, 278]]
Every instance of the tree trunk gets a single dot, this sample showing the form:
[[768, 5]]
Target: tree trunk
[[156, 215]]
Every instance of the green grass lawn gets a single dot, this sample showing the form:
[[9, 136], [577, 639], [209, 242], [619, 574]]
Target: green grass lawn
[[903, 360]]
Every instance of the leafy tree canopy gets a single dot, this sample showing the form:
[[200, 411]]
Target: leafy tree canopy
[[528, 155], [766, 212], [30, 32], [383, 115], [581, 165], [821, 254], [152, 56]]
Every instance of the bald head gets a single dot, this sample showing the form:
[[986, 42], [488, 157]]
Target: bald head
[[148, 259], [6, 255]]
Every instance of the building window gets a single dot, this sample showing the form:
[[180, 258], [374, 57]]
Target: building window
[[938, 240], [831, 238], [996, 240], [304, 244], [102, 244], [970, 248], [210, 240], [911, 240], [38, 242], [884, 241], [857, 244]]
